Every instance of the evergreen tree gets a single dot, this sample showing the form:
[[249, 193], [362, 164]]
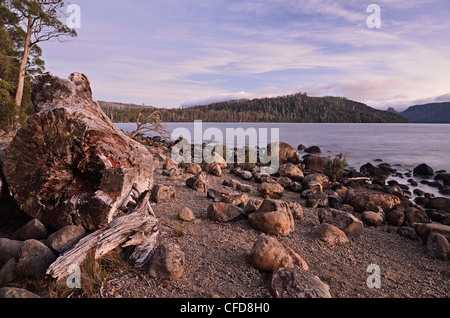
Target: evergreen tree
[[35, 21]]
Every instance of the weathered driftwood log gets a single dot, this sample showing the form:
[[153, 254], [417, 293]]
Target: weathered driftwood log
[[139, 228], [69, 164]]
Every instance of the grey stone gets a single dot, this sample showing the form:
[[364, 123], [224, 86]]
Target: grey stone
[[65, 238], [297, 283], [7, 272], [9, 249], [330, 234], [34, 229], [12, 292], [344, 221], [167, 261], [438, 247], [34, 258]]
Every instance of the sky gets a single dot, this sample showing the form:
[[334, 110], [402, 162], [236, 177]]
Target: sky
[[174, 53]]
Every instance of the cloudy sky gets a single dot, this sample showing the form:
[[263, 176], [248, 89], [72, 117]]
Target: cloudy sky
[[171, 53]]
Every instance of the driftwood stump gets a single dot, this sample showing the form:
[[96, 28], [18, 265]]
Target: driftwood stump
[[69, 164]]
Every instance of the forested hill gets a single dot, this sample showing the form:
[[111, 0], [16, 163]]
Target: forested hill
[[297, 108], [123, 113], [428, 113]]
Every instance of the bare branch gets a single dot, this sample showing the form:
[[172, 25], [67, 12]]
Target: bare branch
[[151, 124]]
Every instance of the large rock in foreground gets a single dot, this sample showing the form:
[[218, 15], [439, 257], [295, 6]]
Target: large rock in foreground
[[273, 217], [343, 220], [69, 164], [362, 200], [297, 283]]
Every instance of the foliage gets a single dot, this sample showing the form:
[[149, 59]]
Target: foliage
[[297, 108], [337, 165], [11, 45], [23, 25]]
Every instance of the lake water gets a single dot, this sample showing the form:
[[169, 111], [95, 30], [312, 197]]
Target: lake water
[[404, 146]]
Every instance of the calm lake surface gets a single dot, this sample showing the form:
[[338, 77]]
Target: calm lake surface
[[403, 145]]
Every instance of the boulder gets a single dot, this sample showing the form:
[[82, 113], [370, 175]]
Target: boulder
[[34, 259], [167, 261], [374, 172], [186, 214], [8, 271], [317, 199], [371, 218], [239, 199], [362, 199], [344, 221], [199, 182], [297, 259], [438, 247], [252, 205], [273, 217], [213, 169], [330, 234], [9, 249], [227, 196], [268, 254], [316, 163], [287, 153], [437, 215], [408, 232], [261, 177], [316, 178], [224, 212], [439, 203], [65, 238], [13, 292], [396, 217], [69, 164], [414, 215], [296, 210], [424, 170], [162, 193], [193, 168], [244, 187], [272, 189], [244, 174], [34, 229], [170, 164], [297, 283], [291, 171], [313, 150], [425, 229]]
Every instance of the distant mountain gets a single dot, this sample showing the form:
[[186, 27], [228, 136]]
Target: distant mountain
[[296, 108], [428, 113], [392, 110]]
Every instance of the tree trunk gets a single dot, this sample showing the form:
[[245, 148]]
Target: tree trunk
[[22, 70]]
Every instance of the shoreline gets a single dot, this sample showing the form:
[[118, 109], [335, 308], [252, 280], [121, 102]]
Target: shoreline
[[217, 263]]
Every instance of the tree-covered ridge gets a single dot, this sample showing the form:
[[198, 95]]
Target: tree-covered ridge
[[296, 108]]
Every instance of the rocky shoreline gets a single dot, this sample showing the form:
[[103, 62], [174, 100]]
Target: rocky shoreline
[[228, 230]]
